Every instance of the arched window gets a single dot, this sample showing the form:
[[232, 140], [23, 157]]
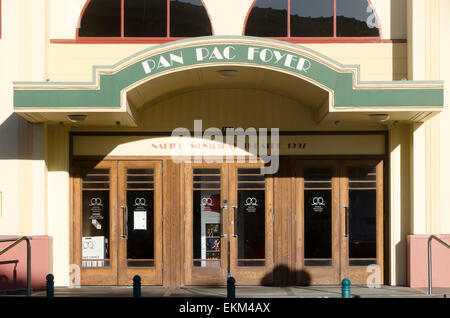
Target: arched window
[[144, 19], [312, 18]]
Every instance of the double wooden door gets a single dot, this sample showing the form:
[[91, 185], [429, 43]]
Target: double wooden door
[[228, 224], [339, 213], [232, 215], [117, 222]]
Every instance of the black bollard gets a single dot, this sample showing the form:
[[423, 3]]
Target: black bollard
[[50, 286], [231, 288], [137, 286]]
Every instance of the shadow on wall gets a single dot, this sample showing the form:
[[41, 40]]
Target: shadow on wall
[[8, 276], [8, 140], [13, 264], [282, 275], [398, 21]]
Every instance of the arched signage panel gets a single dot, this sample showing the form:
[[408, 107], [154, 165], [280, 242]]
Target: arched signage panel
[[342, 82]]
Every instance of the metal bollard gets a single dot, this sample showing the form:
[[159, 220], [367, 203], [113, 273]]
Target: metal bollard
[[137, 286], [231, 288], [50, 286], [346, 288]]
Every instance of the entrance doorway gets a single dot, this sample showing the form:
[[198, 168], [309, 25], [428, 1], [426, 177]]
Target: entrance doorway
[[340, 220], [228, 224], [117, 222], [320, 219]]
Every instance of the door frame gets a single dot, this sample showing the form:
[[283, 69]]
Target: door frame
[[245, 275], [99, 275], [357, 274], [110, 276], [251, 275], [360, 274], [317, 275], [149, 275], [194, 275]]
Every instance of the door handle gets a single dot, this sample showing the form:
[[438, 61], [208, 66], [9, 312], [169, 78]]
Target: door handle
[[235, 221], [125, 222], [346, 220], [222, 208]]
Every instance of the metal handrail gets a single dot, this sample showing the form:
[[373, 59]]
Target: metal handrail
[[17, 241], [429, 258]]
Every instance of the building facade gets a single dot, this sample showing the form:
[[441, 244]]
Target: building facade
[[277, 141]]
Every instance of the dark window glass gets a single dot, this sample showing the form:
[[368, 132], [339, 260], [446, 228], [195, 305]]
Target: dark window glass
[[140, 185], [206, 178], [312, 19], [248, 171], [145, 18], [206, 185], [139, 178], [362, 226], [140, 242], [268, 18], [356, 18], [362, 173], [251, 226], [102, 18], [317, 174], [87, 185], [188, 18], [206, 171], [317, 226], [139, 171]]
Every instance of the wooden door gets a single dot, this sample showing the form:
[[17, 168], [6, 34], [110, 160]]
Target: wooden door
[[140, 222], [317, 222], [362, 221], [95, 222], [206, 228], [251, 224]]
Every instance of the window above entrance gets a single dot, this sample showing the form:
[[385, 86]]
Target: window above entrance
[[146, 19], [327, 19]]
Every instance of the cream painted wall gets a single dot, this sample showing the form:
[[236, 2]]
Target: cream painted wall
[[424, 50], [9, 165], [64, 16], [22, 166], [399, 201], [445, 116], [227, 17]]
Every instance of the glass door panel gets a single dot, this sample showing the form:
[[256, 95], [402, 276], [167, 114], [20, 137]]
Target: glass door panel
[[140, 222], [362, 198], [206, 239], [317, 217], [250, 220], [250, 224], [95, 218], [317, 222]]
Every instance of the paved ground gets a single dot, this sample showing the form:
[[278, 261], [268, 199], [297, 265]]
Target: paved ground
[[250, 292]]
